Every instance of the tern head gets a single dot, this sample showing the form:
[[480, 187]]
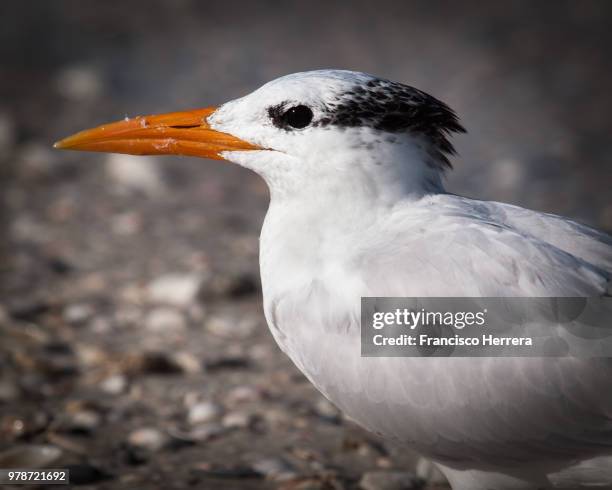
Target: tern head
[[305, 131]]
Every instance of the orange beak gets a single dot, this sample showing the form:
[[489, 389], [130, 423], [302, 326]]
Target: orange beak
[[176, 133]]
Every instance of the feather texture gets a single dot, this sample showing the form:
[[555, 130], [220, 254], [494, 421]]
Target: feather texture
[[358, 209], [533, 416]]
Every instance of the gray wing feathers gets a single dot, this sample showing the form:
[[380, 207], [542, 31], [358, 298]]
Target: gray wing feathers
[[451, 246], [588, 244], [557, 408]]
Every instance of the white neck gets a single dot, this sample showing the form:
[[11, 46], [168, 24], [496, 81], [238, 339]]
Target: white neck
[[361, 164], [321, 213]]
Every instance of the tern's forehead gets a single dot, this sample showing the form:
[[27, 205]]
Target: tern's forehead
[[314, 86]]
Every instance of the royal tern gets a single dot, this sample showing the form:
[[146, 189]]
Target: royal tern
[[355, 165]]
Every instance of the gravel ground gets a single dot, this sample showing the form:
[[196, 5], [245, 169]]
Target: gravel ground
[[133, 347]]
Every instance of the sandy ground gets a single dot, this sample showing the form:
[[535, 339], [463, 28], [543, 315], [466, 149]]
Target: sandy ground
[[133, 347]]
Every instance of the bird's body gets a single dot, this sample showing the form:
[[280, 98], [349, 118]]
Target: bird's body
[[531, 417], [354, 165]]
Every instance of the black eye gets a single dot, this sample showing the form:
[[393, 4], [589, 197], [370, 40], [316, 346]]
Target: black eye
[[298, 117]]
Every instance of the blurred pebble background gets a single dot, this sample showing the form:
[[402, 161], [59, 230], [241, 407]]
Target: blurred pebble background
[[133, 347]]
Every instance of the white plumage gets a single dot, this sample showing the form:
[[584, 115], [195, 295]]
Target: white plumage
[[357, 212]]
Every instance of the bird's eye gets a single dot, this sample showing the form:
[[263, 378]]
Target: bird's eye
[[298, 116]]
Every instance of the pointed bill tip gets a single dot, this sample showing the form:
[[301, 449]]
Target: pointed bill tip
[[76, 141]]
